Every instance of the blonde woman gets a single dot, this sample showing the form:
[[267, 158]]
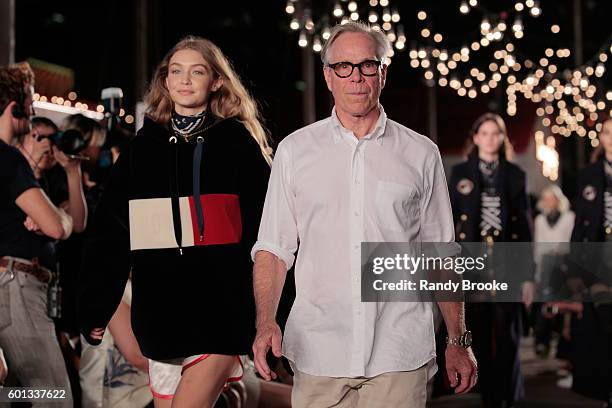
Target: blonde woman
[[181, 211]]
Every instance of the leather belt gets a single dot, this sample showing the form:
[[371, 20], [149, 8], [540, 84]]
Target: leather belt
[[41, 273]]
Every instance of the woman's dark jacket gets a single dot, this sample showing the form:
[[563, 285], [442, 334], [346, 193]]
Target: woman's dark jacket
[[189, 259]]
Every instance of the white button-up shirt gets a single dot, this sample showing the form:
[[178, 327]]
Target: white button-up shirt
[[330, 191]]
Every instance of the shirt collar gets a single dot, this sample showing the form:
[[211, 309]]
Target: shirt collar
[[376, 134]]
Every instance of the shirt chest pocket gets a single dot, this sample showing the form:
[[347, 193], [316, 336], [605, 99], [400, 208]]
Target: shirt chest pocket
[[397, 206]]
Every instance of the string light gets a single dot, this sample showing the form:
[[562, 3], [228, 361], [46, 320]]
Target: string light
[[338, 11], [538, 80], [290, 8], [316, 44], [326, 33], [485, 26], [303, 40], [381, 16], [59, 104], [536, 10]]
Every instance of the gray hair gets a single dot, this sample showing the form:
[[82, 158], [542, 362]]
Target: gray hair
[[383, 46], [564, 204]]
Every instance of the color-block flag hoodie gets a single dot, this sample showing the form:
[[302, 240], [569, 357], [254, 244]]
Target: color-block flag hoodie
[[181, 216]]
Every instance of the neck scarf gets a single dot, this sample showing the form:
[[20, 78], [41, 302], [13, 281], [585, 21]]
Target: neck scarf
[[188, 126]]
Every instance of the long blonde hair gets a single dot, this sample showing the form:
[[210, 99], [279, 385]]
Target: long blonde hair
[[231, 100]]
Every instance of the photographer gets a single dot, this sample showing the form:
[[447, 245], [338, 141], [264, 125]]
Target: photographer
[[84, 137], [99, 159], [62, 183], [29, 222]]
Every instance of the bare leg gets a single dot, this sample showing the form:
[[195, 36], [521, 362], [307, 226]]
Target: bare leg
[[274, 395], [202, 383], [162, 402]]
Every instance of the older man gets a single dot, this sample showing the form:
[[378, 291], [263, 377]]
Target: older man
[[353, 177]]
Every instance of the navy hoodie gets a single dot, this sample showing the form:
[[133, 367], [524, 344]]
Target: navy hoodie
[[188, 257]]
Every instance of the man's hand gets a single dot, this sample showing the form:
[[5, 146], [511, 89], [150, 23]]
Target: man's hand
[[461, 368], [32, 226], [268, 335]]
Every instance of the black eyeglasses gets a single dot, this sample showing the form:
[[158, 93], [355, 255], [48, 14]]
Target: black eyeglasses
[[344, 69]]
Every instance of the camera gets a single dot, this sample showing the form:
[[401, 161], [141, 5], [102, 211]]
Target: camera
[[71, 142]]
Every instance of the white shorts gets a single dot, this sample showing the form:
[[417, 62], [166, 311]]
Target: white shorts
[[164, 376]]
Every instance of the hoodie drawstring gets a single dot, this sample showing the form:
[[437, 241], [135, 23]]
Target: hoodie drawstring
[[197, 198], [174, 191]]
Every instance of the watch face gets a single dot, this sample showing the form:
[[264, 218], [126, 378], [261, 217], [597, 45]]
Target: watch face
[[467, 338]]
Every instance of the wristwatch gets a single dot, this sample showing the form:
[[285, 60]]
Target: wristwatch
[[465, 340]]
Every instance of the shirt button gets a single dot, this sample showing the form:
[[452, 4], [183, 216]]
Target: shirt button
[[356, 246], [356, 213]]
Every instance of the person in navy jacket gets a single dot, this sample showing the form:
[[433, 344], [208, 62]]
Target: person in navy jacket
[[489, 199], [591, 329]]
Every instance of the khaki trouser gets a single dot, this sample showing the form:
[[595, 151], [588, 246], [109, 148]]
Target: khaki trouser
[[404, 389], [27, 336]]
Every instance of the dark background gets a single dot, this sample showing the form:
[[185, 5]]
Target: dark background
[[97, 40]]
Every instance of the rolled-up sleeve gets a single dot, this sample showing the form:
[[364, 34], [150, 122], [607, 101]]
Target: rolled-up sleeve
[[278, 231], [437, 216]]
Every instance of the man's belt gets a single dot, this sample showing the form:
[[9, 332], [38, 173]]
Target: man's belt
[[41, 273]]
